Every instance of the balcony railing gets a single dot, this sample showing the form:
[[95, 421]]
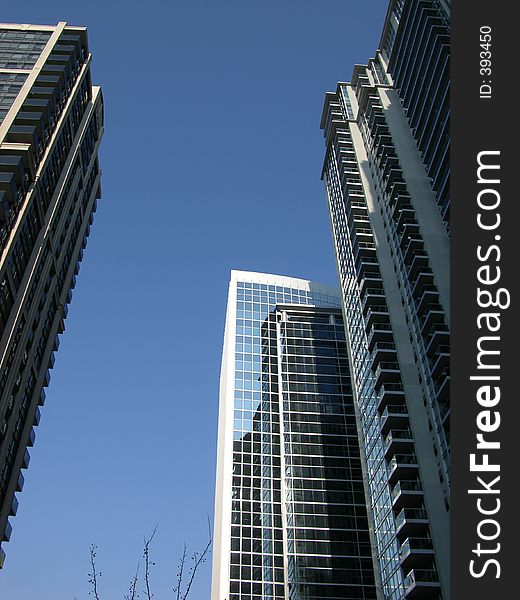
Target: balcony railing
[[416, 543], [416, 551], [410, 514], [386, 372], [379, 332], [398, 434], [422, 583], [389, 393], [412, 522], [407, 493]]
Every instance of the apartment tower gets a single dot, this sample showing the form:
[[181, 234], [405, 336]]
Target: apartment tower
[[51, 123], [386, 173], [290, 509]]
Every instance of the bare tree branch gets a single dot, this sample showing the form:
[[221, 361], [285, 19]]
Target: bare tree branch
[[133, 585], [198, 560], [148, 563], [182, 590], [94, 575], [180, 572]]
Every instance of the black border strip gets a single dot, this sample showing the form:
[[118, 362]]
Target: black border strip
[[484, 124]]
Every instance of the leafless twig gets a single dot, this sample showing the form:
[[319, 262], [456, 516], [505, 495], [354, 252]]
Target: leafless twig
[[148, 563], [197, 559], [180, 573], [182, 590], [94, 575], [132, 595]]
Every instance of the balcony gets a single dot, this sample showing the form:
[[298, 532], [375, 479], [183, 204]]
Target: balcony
[[31, 438], [386, 372], [438, 336], [363, 254], [411, 522], [440, 361], [394, 417], [407, 493], [419, 261], [7, 532], [370, 281], [444, 412], [357, 205], [358, 224], [383, 140], [14, 507], [13, 164], [398, 441], [442, 385], [413, 245], [402, 466], [379, 332], [397, 189], [394, 174], [381, 128], [383, 352], [416, 552], [373, 297], [386, 152], [422, 583], [390, 393], [367, 265], [23, 134], [435, 314], [402, 202], [409, 229], [5, 210], [406, 215], [32, 119], [9, 187], [20, 483], [429, 296], [389, 161], [377, 314], [423, 279], [42, 105]]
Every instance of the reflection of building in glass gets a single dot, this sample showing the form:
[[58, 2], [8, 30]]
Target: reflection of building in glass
[[51, 123], [290, 511], [386, 172]]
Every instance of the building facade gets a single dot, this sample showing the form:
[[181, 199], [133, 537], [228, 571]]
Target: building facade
[[51, 123], [415, 57], [386, 173], [290, 508]]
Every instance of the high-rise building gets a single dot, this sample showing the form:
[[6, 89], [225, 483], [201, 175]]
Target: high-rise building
[[386, 173], [415, 58], [51, 123], [290, 508]]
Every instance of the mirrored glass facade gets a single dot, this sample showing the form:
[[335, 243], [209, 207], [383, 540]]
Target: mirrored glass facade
[[290, 519]]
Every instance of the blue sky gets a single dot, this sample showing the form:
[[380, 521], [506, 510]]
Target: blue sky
[[211, 161]]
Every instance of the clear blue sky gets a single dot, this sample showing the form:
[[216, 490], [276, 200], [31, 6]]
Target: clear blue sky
[[211, 160]]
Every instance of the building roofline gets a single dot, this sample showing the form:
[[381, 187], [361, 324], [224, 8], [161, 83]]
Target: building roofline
[[282, 280]]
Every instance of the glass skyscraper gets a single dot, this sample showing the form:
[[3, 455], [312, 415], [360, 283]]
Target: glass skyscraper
[[51, 123], [386, 172], [290, 510]]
